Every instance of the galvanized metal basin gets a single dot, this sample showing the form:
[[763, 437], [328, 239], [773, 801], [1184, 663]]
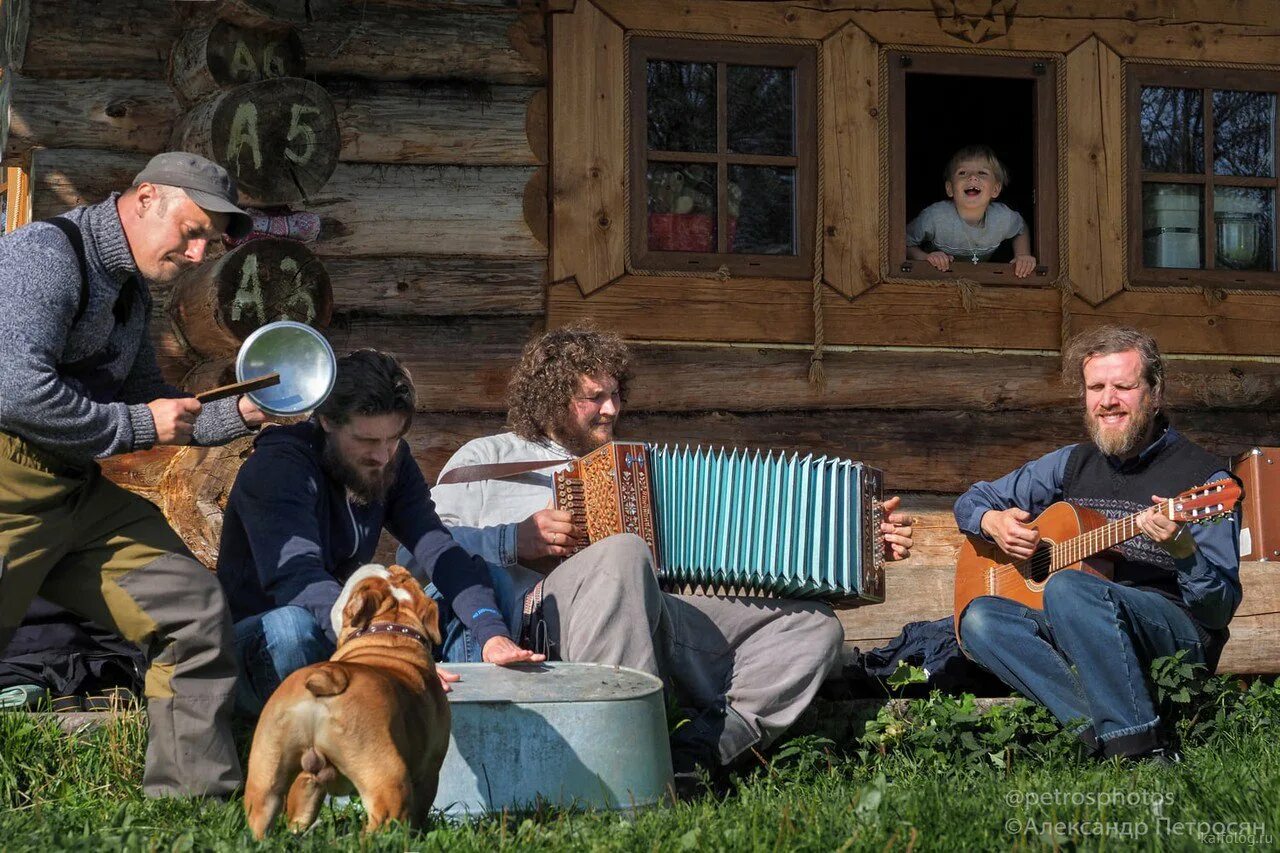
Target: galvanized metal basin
[[579, 735]]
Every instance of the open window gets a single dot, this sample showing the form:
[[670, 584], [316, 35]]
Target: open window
[[1202, 177], [941, 103], [722, 157]]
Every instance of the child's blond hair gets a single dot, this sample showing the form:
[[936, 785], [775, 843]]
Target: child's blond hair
[[978, 152]]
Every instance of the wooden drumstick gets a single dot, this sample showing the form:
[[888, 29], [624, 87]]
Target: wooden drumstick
[[239, 388]]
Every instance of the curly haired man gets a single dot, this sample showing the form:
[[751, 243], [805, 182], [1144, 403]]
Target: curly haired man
[[742, 668]]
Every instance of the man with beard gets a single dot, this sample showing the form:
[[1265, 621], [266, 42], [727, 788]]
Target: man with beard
[[80, 382], [307, 509], [741, 668], [1086, 656]]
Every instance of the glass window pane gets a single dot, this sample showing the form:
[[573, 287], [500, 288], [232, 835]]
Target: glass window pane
[[682, 106], [1244, 221], [1172, 130], [682, 207], [761, 110], [1244, 133], [1171, 223], [762, 210]]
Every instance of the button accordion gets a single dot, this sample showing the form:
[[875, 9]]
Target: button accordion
[[728, 521]]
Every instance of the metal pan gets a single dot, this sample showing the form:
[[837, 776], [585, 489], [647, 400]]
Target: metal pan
[[301, 356]]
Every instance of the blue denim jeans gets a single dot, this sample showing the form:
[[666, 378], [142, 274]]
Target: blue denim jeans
[[270, 646], [1086, 656]]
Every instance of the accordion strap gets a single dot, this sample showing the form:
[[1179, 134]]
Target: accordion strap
[[495, 471]]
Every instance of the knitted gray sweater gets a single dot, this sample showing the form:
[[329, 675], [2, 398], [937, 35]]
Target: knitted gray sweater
[[81, 392]]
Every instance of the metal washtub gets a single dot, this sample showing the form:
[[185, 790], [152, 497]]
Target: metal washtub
[[577, 735]]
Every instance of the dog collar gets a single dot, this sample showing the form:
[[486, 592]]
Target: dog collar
[[391, 628]]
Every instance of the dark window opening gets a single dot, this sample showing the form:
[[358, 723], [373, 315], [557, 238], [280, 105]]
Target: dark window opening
[[948, 112], [942, 103]]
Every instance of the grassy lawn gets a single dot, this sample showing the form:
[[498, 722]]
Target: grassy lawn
[[937, 776]]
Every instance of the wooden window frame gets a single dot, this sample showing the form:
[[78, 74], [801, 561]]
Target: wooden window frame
[[805, 160], [1044, 72], [1206, 80]]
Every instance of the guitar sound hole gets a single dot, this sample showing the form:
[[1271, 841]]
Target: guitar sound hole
[[1036, 567]]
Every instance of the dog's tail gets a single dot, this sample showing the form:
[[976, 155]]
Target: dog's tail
[[327, 680]]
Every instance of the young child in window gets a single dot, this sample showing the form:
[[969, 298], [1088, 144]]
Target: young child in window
[[972, 225]]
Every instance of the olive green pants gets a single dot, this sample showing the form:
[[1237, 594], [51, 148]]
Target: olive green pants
[[82, 542]]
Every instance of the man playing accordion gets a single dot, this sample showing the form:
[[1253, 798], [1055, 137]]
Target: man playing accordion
[[742, 669]]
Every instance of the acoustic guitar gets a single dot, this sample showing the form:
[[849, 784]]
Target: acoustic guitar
[[1069, 537]]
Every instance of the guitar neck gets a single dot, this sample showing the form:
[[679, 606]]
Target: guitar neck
[[1096, 541]]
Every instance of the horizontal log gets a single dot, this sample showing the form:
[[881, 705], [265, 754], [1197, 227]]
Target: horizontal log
[[124, 115], [668, 378], [471, 125], [425, 210], [438, 286], [457, 363], [87, 38], [384, 42], [918, 451], [62, 178]]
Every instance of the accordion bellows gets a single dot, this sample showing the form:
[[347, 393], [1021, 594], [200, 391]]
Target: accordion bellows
[[734, 521]]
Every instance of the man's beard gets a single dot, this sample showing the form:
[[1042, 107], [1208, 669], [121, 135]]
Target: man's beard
[[1122, 442], [578, 441], [364, 488]]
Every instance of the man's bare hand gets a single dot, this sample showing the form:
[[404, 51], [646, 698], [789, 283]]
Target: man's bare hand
[[1173, 537], [504, 652], [1008, 529], [175, 419], [446, 678], [546, 533], [896, 529]]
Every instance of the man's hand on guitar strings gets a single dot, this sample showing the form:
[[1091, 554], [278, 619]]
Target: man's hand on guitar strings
[[896, 529], [1173, 537], [1008, 530]]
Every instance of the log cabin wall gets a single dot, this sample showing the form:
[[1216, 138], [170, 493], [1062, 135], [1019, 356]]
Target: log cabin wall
[[478, 195]]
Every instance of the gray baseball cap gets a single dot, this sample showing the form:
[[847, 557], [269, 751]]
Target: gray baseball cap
[[204, 181]]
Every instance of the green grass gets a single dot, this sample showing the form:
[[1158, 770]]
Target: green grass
[[937, 777]]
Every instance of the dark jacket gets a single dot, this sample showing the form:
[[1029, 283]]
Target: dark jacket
[[290, 536]]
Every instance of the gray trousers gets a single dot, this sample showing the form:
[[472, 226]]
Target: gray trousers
[[762, 659]]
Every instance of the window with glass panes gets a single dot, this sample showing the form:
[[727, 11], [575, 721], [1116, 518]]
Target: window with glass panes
[[1202, 161], [723, 157]]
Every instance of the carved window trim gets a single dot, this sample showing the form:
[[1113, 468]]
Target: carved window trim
[[1206, 79], [1047, 239], [804, 59]]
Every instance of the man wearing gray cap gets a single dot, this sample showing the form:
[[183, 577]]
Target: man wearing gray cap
[[78, 382]]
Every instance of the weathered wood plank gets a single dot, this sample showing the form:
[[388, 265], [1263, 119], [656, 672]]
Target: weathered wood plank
[[425, 210], [449, 285], [86, 38], [472, 125], [1095, 172], [778, 311], [384, 42], [124, 115], [850, 248], [588, 154]]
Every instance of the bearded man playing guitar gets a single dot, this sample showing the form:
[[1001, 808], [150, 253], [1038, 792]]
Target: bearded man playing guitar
[[1172, 586]]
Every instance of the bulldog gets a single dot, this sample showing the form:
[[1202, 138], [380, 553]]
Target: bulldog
[[373, 717]]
